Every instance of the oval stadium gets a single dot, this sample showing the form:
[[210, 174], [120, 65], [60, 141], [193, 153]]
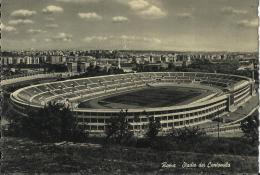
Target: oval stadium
[[177, 99]]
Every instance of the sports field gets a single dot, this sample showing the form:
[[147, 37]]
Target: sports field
[[149, 97]]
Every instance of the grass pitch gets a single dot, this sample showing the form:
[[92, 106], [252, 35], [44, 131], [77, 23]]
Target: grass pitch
[[149, 98], [155, 97]]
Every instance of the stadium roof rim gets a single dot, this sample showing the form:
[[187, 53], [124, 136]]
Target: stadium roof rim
[[14, 96], [249, 79]]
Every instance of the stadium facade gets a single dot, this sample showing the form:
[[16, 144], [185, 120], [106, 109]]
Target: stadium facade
[[230, 92]]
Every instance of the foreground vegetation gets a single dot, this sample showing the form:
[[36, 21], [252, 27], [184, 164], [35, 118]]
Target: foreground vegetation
[[26, 156], [60, 146], [53, 123]]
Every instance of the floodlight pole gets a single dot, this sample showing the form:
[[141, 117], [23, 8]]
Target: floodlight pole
[[218, 124]]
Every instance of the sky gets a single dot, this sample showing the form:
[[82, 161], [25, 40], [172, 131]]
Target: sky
[[175, 25]]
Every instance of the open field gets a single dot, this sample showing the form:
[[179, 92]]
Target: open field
[[25, 156], [149, 98]]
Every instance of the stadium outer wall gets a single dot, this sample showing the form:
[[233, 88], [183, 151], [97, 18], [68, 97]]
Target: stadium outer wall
[[233, 95]]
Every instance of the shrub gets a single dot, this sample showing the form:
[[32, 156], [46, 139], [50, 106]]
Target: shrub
[[250, 128], [117, 129], [53, 123], [186, 134], [153, 128]]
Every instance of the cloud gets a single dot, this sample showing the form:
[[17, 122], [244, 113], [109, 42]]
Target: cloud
[[95, 38], [5, 28], [233, 11], [184, 15], [49, 19], [153, 12], [47, 40], [90, 16], [140, 38], [77, 1], [35, 31], [20, 22], [145, 9], [52, 9], [119, 19], [127, 38], [60, 37], [23, 13], [52, 26], [248, 23], [33, 40], [138, 4]]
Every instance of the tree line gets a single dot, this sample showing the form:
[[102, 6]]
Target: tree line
[[56, 123]]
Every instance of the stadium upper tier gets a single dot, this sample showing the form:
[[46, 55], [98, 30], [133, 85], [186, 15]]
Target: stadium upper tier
[[235, 90], [72, 90], [15, 79]]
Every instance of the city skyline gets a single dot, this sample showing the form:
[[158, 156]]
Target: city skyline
[[130, 25]]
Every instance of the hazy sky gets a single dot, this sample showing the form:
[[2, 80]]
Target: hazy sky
[[192, 25]]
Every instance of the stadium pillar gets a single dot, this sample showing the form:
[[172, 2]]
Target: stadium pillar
[[228, 103], [231, 106], [252, 88]]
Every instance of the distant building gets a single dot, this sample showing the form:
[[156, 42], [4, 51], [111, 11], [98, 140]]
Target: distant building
[[127, 67], [164, 59], [105, 67], [6, 60], [72, 67], [36, 60], [83, 66], [57, 59], [43, 59], [28, 60], [155, 59], [152, 67], [93, 63], [16, 60], [87, 59]]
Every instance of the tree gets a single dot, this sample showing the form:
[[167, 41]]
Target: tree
[[117, 128], [153, 128], [186, 134], [53, 123], [250, 128]]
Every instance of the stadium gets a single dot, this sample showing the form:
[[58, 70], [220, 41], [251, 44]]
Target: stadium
[[177, 99]]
